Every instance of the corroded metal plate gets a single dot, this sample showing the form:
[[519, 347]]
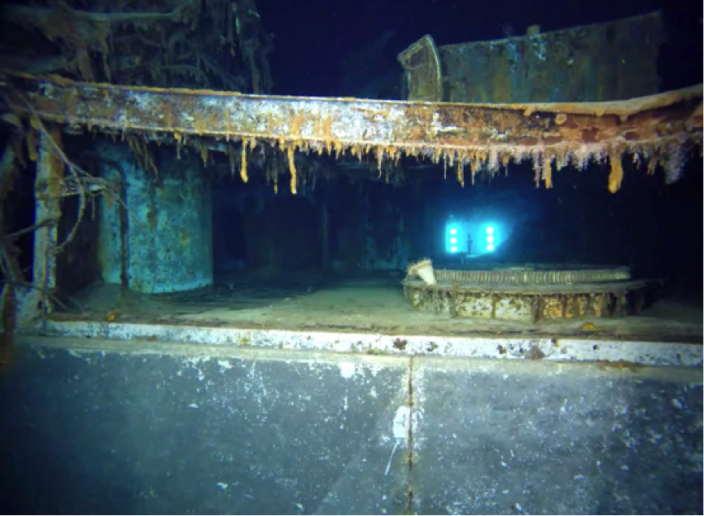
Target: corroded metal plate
[[423, 73], [588, 63]]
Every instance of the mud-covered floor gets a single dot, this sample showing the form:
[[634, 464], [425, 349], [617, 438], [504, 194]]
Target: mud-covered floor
[[372, 302]]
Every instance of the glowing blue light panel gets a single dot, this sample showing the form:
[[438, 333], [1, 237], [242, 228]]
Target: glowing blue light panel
[[492, 237], [455, 236], [474, 237]]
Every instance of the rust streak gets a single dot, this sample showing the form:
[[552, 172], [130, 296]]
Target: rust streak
[[458, 134]]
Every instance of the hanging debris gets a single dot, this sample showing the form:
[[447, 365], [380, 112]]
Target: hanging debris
[[213, 44], [659, 129]]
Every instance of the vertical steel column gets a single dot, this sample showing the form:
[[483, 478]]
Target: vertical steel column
[[47, 191]]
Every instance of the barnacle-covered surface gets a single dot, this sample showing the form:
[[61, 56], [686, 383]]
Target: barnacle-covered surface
[[532, 294], [658, 129]]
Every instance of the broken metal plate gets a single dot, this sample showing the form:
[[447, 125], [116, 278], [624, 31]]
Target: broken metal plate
[[423, 73]]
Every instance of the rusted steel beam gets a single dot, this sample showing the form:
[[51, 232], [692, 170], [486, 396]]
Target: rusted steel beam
[[658, 128]]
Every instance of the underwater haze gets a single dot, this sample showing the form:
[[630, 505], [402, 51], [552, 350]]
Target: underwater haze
[[242, 226]]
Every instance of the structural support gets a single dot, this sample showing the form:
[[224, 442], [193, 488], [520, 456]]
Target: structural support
[[8, 265], [325, 235], [47, 191], [657, 129]]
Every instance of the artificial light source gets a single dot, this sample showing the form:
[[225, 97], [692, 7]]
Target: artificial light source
[[490, 247], [490, 239], [455, 234], [489, 230]]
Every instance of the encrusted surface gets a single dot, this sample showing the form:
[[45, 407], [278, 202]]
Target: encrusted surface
[[533, 275], [659, 128], [604, 61], [604, 350], [423, 74], [527, 302], [166, 242]]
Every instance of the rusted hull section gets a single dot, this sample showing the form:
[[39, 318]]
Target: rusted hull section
[[656, 128], [606, 61]]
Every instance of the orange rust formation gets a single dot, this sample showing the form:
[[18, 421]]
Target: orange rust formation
[[658, 129]]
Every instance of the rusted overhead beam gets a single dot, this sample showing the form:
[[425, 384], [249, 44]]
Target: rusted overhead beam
[[658, 128]]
